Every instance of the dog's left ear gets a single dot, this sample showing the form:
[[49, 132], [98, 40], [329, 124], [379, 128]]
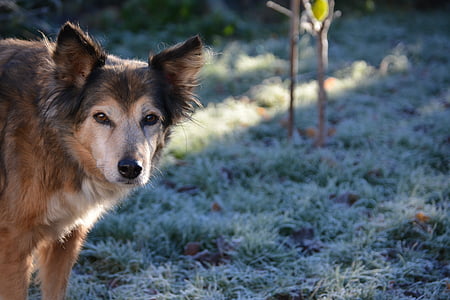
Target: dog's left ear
[[180, 66], [76, 55]]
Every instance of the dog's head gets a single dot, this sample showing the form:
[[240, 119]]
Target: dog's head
[[116, 114]]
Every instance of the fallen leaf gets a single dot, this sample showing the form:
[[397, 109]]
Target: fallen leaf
[[209, 258], [262, 112], [421, 217], [345, 198], [375, 173], [392, 284], [216, 207], [295, 295], [189, 189], [192, 248], [331, 131], [329, 83], [309, 132]]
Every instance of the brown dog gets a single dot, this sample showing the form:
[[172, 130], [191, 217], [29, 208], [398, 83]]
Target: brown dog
[[79, 130]]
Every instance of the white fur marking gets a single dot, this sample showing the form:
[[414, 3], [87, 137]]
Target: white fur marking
[[68, 210]]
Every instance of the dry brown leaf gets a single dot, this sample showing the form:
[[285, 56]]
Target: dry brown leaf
[[192, 248], [330, 83], [294, 295], [309, 132], [345, 198], [331, 131], [262, 112], [421, 217], [216, 207], [209, 258], [374, 173], [188, 189]]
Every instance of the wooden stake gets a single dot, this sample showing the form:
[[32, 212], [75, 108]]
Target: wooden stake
[[294, 36], [322, 56]]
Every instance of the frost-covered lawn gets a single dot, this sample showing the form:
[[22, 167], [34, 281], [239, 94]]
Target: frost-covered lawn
[[239, 213]]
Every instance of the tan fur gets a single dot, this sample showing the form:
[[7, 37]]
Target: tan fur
[[61, 167]]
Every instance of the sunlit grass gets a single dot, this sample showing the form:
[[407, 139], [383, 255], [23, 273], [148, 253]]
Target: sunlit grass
[[211, 124]]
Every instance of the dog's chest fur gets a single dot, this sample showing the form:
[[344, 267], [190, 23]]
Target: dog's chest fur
[[68, 210]]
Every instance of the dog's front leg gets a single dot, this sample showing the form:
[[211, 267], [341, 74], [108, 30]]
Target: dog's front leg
[[14, 279], [15, 264], [56, 260]]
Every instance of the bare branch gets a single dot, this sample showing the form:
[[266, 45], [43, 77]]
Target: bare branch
[[277, 7]]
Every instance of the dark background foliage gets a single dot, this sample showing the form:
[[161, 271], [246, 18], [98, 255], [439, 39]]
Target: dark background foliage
[[214, 19]]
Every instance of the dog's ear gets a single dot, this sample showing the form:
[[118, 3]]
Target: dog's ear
[[180, 66], [76, 55]]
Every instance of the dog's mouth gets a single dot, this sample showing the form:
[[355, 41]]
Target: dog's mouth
[[118, 180], [131, 182], [141, 180]]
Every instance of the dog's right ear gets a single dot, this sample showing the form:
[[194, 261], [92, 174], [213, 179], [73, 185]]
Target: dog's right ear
[[76, 55], [180, 66]]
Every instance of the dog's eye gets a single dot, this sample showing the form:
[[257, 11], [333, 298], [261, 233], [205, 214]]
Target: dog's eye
[[150, 119], [102, 118]]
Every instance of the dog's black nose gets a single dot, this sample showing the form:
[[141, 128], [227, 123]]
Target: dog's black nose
[[129, 168]]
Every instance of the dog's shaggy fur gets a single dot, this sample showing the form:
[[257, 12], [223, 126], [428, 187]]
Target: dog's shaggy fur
[[79, 129]]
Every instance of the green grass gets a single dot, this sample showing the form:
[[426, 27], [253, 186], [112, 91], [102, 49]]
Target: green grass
[[366, 217]]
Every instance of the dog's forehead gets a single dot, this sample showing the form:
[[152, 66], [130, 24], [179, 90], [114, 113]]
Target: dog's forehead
[[126, 82], [127, 85], [114, 107]]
